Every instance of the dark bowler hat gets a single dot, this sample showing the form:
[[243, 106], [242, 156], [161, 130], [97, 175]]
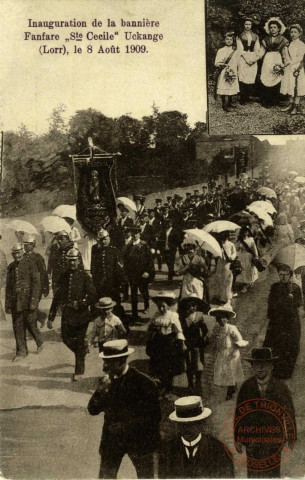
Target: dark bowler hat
[[137, 197], [188, 194], [116, 349], [158, 200], [263, 354], [150, 210], [189, 409], [169, 198]]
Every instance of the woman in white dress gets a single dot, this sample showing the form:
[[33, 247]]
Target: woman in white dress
[[228, 369], [293, 83], [274, 49], [227, 62], [248, 47], [246, 250]]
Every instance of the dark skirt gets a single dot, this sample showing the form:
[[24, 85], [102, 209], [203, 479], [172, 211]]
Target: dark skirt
[[165, 354]]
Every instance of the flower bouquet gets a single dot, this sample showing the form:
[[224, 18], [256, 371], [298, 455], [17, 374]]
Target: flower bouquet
[[229, 76], [278, 70]]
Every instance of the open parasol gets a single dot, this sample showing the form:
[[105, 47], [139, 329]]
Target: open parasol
[[221, 226], [127, 202], [292, 255], [300, 180], [267, 206], [267, 191], [53, 224], [206, 241], [65, 211], [23, 226], [262, 214]]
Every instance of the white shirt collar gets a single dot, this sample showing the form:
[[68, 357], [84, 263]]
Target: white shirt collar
[[193, 443]]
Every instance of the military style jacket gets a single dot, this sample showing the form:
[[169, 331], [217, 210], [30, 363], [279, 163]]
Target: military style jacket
[[38, 260], [75, 292], [22, 286]]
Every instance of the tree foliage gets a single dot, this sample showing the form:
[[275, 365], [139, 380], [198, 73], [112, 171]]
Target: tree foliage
[[159, 145]]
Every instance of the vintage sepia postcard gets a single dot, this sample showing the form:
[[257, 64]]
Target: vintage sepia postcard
[[152, 239]]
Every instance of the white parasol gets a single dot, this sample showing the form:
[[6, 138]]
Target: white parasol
[[266, 206], [65, 211], [53, 224], [206, 241], [127, 202], [23, 226], [221, 226]]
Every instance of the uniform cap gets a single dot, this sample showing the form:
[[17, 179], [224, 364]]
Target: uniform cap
[[73, 253], [17, 247], [62, 233], [29, 238], [102, 234]]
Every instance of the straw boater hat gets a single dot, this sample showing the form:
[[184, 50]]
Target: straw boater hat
[[227, 309], [189, 409], [168, 297], [263, 354], [105, 303], [116, 349]]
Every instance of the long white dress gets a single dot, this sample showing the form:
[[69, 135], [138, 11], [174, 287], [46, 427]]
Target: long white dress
[[246, 73], [249, 272], [224, 87], [227, 368], [296, 51]]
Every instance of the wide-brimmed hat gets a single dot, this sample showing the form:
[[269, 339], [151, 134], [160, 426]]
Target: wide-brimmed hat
[[227, 308], [189, 409], [165, 296], [263, 354], [105, 303], [192, 299], [116, 349]]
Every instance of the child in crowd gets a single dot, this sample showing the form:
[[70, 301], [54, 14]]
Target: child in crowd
[[227, 368], [106, 326], [226, 75]]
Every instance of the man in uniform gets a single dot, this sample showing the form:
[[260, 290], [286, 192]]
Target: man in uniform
[[106, 268], [132, 413], [75, 293], [21, 300], [57, 260], [139, 268], [29, 244]]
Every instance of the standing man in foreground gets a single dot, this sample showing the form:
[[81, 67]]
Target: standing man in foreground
[[264, 446], [75, 293], [132, 413], [21, 300], [193, 453]]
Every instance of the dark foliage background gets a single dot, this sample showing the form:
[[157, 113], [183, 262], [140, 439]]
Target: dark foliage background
[[157, 152], [224, 15]]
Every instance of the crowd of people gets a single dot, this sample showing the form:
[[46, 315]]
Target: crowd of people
[[93, 294], [266, 67]]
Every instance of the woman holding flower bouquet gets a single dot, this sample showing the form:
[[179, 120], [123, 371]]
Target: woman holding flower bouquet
[[227, 81], [274, 49], [293, 82]]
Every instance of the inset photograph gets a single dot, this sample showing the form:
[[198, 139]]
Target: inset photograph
[[255, 67]]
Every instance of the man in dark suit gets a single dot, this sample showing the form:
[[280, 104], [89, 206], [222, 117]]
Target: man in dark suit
[[21, 300], [132, 413], [75, 293], [192, 453], [263, 386], [106, 268], [148, 233], [124, 222], [139, 268], [168, 240], [29, 244]]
